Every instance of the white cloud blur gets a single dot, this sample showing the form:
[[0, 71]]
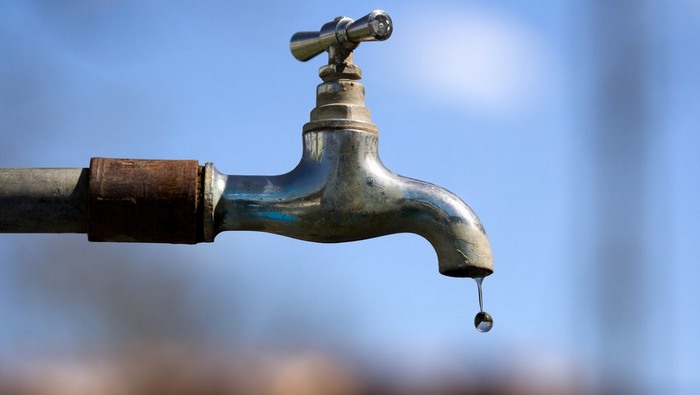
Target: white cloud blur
[[478, 58]]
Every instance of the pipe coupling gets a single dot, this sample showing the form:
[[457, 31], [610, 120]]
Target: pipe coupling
[[150, 201]]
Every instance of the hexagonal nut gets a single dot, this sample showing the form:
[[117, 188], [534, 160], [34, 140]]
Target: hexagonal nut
[[341, 111]]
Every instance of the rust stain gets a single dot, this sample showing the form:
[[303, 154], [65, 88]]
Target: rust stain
[[141, 200]]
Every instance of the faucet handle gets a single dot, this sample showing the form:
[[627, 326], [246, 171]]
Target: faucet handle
[[342, 34]]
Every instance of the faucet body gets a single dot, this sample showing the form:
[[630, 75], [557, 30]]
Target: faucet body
[[340, 191]]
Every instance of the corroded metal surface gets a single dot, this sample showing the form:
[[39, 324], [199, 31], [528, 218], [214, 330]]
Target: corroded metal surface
[[155, 201]]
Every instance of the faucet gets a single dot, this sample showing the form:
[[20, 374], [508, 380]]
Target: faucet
[[340, 191]]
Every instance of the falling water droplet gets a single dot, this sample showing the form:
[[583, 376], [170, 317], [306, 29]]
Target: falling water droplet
[[483, 320]]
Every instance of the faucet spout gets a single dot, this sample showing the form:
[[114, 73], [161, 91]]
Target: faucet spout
[[340, 191]]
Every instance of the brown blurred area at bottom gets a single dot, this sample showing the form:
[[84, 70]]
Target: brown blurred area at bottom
[[182, 372]]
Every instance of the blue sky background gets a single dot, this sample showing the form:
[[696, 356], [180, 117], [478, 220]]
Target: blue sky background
[[491, 100]]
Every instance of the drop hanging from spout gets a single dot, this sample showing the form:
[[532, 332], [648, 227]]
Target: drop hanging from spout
[[483, 322]]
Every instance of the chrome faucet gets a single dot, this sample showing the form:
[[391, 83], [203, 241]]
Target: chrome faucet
[[340, 190]]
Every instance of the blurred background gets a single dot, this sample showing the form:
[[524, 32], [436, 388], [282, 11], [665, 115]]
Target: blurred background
[[570, 127]]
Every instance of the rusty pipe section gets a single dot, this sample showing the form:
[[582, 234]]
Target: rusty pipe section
[[154, 201], [124, 200]]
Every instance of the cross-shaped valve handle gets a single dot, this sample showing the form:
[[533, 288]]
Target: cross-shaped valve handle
[[342, 34]]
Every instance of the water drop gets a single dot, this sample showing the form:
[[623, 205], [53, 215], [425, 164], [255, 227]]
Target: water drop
[[483, 320]]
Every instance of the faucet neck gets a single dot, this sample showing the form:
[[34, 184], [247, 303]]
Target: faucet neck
[[340, 98]]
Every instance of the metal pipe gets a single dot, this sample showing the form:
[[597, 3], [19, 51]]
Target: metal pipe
[[43, 200], [137, 200]]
